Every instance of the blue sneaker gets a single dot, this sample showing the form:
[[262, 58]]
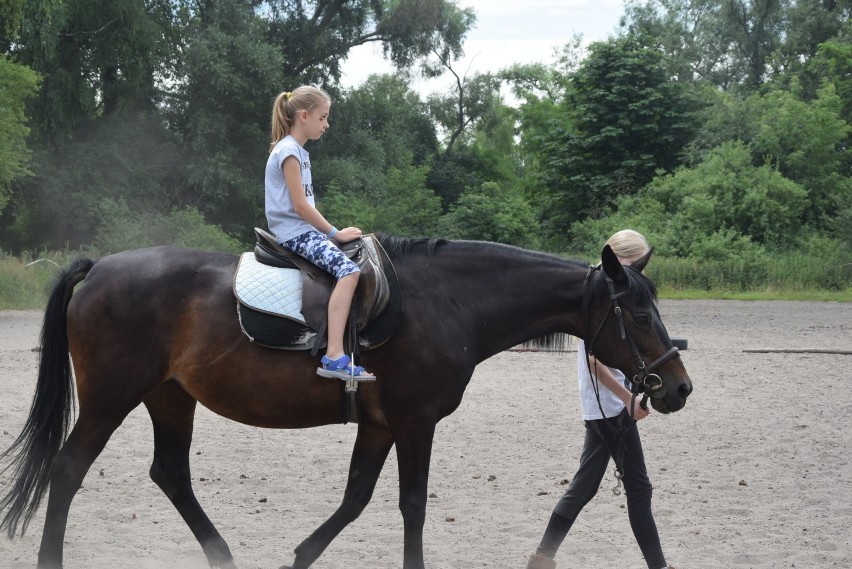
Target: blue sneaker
[[342, 368]]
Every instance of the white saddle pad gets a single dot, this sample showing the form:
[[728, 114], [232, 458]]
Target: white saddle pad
[[269, 289]]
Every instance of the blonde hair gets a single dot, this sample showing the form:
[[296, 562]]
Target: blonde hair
[[628, 244], [287, 104]]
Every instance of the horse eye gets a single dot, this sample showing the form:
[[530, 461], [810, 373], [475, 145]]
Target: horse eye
[[642, 319]]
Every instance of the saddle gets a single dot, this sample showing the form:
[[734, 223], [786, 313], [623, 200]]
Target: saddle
[[296, 317]]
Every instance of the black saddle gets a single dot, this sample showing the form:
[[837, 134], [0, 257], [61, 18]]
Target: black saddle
[[377, 303]]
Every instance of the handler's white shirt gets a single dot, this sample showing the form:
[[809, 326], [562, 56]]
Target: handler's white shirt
[[610, 404]]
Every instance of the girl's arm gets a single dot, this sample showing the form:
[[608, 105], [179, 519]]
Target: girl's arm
[[293, 177], [605, 377]]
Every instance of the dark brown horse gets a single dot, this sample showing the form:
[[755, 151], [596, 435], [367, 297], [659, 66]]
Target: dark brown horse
[[158, 326]]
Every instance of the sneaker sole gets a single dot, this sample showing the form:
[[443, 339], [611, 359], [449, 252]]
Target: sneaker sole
[[343, 375]]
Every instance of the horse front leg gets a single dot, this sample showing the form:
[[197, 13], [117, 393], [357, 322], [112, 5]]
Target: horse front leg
[[414, 451], [371, 449]]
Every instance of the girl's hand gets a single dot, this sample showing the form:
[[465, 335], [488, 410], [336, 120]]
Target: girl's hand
[[348, 234]]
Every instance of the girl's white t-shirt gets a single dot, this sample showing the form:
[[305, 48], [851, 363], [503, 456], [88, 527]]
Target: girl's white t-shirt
[[281, 216], [610, 403]]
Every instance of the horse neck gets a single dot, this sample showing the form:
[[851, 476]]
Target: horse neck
[[509, 296]]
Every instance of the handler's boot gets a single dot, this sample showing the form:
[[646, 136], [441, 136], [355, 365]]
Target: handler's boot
[[539, 561]]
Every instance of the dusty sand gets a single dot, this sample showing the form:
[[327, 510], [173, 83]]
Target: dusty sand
[[754, 472]]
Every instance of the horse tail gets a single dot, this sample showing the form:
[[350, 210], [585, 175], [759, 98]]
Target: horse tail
[[50, 413]]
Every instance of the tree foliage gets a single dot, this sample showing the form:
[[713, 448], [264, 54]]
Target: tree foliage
[[736, 44], [492, 213], [721, 209], [721, 129], [18, 84], [182, 90], [621, 119]]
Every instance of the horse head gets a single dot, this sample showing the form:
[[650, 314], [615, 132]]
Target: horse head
[[624, 330]]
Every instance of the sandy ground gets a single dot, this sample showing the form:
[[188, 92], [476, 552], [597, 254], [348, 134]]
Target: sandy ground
[[753, 473]]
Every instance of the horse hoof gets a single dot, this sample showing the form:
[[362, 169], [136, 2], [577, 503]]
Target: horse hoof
[[538, 561]]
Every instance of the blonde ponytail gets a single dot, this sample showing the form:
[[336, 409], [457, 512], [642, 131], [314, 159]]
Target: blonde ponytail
[[287, 104]]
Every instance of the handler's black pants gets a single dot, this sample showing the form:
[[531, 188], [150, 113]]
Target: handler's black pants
[[600, 445]]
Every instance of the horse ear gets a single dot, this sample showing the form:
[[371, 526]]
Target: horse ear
[[642, 262], [611, 265]]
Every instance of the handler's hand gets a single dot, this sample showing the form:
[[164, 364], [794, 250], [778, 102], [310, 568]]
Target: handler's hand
[[348, 234], [639, 412]]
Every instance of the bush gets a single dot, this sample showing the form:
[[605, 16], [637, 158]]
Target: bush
[[121, 229], [24, 281], [491, 213], [789, 272]]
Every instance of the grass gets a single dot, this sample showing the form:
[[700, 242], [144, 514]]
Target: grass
[[24, 281], [768, 294]]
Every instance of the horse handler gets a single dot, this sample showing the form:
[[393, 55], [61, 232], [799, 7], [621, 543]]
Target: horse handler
[[610, 433]]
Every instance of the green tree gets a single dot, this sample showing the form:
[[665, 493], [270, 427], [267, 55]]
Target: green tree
[[97, 57], [316, 37], [481, 148], [690, 32], [722, 208], [492, 213], [469, 101], [832, 64], [738, 43], [371, 165], [11, 14], [194, 78], [398, 203], [102, 62], [806, 141], [220, 110], [380, 124], [17, 85], [622, 119]]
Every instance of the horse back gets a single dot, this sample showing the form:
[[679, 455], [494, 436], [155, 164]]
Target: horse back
[[148, 316], [154, 284]]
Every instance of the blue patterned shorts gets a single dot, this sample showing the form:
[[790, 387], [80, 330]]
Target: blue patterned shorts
[[319, 250]]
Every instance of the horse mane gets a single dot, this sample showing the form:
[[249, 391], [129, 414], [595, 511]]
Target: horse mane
[[558, 342], [400, 247]]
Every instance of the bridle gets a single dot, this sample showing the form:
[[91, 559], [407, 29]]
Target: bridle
[[645, 382]]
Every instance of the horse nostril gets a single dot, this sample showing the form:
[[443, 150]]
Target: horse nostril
[[684, 390]]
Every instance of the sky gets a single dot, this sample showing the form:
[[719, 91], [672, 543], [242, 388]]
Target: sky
[[506, 32]]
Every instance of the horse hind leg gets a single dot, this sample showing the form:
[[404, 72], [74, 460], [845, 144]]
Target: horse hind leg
[[368, 457], [68, 469], [172, 412]]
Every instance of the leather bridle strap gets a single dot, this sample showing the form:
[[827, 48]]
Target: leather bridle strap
[[644, 382]]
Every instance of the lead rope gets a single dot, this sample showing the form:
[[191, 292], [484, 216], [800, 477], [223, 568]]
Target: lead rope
[[618, 472]]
